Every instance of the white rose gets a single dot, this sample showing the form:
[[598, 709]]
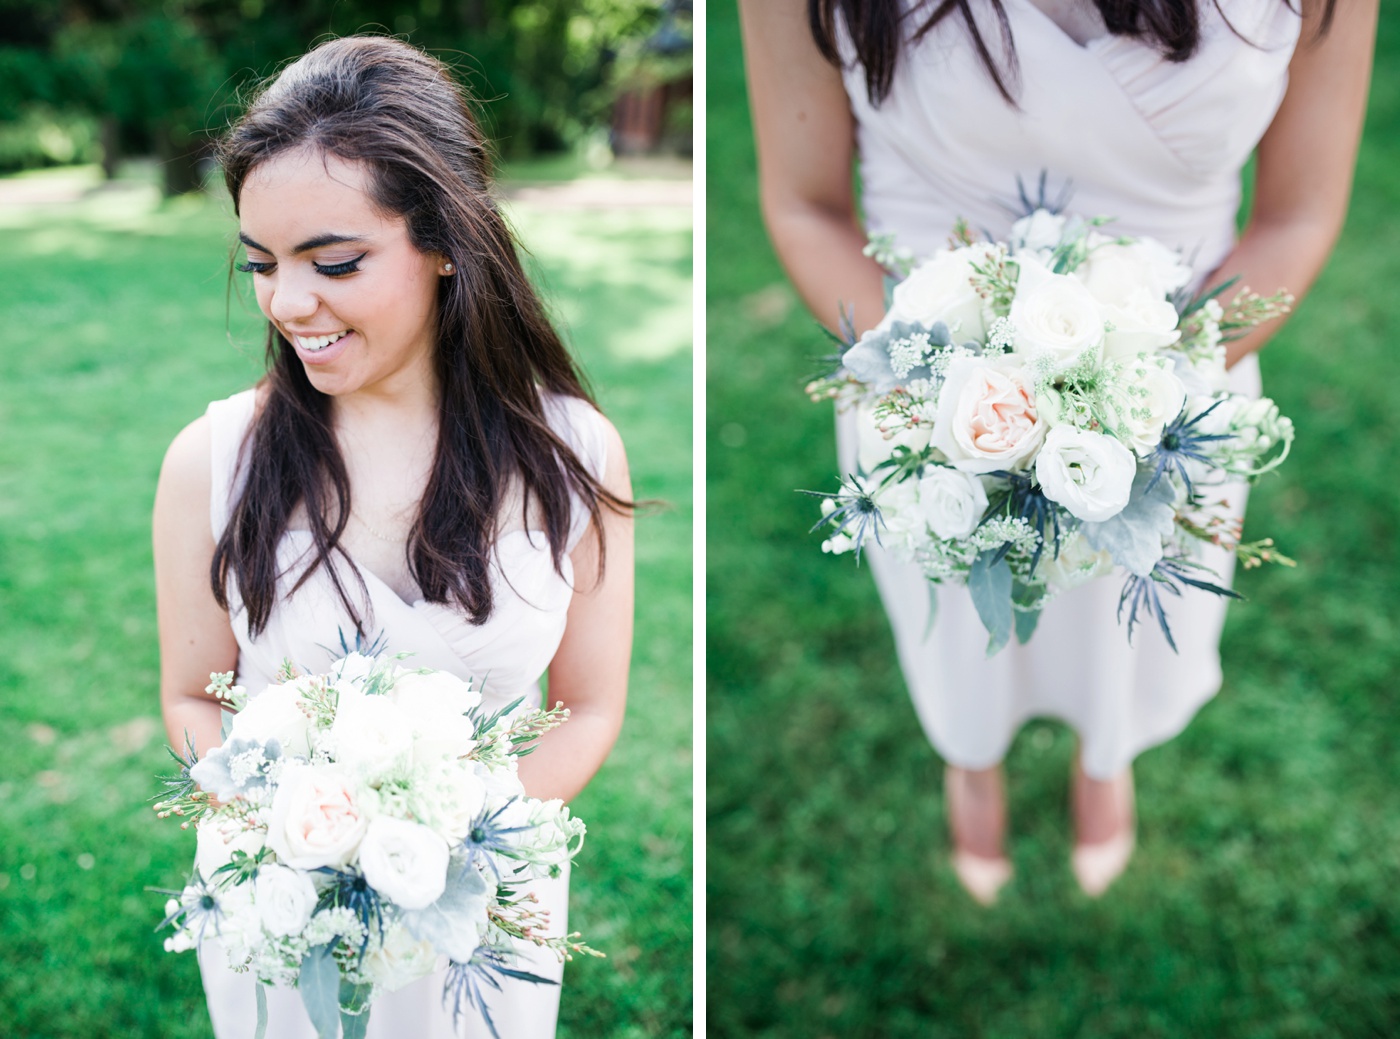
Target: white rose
[[400, 960], [1054, 314], [940, 289], [217, 837], [902, 524], [406, 862], [1155, 397], [987, 418], [1114, 270], [353, 668], [435, 705], [1039, 233], [501, 783], [952, 502], [371, 734], [315, 818], [285, 898], [1090, 474], [275, 713]]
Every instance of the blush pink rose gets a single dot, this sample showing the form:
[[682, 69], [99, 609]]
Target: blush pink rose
[[315, 820], [987, 418]]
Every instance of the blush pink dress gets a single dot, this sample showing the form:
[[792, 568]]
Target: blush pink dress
[[1160, 147], [506, 657]]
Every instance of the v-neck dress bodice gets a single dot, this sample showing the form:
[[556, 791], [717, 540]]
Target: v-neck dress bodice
[[1160, 147], [505, 655]]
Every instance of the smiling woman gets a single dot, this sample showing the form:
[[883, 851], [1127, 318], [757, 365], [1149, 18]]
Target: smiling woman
[[421, 469]]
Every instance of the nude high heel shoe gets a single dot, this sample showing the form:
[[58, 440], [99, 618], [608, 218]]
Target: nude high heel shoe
[[1098, 864], [981, 876]]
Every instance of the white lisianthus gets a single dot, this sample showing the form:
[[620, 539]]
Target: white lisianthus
[[1114, 269], [275, 713], [940, 289], [1152, 397], [1054, 315], [217, 837], [1038, 233], [987, 418], [404, 861], [371, 735], [546, 831], [315, 819], [952, 502], [1090, 474], [399, 960], [285, 898], [435, 705]]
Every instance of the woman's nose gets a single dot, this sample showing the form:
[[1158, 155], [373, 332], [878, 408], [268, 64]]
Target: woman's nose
[[293, 298]]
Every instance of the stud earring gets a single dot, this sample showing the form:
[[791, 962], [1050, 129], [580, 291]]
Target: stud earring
[[447, 267]]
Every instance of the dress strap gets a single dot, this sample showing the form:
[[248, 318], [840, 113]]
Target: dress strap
[[229, 423], [581, 427]]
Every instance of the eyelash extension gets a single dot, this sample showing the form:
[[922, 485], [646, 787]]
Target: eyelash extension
[[333, 270], [253, 267]]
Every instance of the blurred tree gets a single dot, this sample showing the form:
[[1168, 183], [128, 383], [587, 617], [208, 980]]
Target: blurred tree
[[165, 75]]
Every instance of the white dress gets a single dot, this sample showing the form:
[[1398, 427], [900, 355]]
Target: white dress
[[1157, 145], [506, 657]]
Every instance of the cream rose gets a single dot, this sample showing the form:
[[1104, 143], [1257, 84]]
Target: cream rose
[[987, 418], [276, 713], [1090, 474], [952, 502], [940, 289], [404, 861], [285, 899], [1054, 315], [315, 818]]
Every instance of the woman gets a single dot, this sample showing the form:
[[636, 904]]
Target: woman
[[1149, 110], [420, 466]]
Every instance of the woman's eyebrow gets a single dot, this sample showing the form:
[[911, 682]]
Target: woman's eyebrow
[[311, 243]]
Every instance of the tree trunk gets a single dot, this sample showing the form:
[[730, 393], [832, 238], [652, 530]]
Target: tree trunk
[[179, 160], [110, 136]]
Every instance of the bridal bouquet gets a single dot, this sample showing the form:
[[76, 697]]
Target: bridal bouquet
[[1043, 411], [359, 825]]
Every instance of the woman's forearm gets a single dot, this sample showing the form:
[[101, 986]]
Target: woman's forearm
[[821, 249], [1270, 257], [566, 758], [195, 717]]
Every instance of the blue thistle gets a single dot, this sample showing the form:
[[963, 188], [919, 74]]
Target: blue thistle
[[1169, 575], [465, 981], [856, 515], [487, 837], [199, 906], [350, 890], [1024, 499], [1182, 439]]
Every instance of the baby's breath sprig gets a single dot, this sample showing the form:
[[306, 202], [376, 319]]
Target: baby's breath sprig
[[898, 260]]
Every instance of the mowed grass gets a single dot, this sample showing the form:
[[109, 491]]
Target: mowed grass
[[116, 336], [1263, 900]]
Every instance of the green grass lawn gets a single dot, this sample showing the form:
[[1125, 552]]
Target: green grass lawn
[[117, 335], [1263, 900]]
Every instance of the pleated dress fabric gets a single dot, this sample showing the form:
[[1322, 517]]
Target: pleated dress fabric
[[505, 657], [1159, 146]]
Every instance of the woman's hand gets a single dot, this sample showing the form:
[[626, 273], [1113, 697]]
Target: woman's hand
[[589, 671], [806, 144], [1305, 162], [195, 636]]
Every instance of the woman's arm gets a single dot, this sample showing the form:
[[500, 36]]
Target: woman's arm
[[589, 671], [195, 636], [806, 144], [1305, 162]]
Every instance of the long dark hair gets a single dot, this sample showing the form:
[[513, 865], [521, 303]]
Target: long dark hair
[[383, 103], [877, 32]]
